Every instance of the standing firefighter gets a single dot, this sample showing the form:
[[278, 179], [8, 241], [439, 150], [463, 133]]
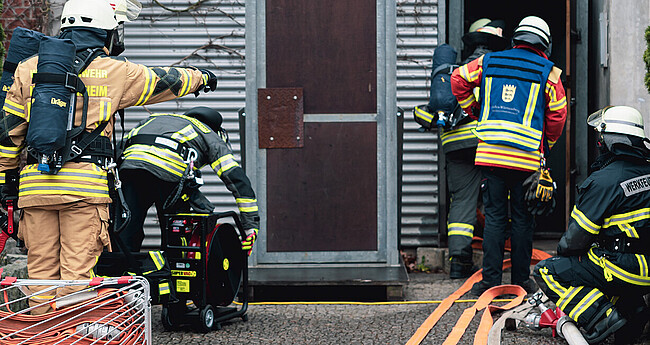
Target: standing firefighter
[[160, 165], [463, 177], [521, 114], [601, 273], [63, 190]]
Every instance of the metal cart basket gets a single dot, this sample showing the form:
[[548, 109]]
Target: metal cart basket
[[100, 311]]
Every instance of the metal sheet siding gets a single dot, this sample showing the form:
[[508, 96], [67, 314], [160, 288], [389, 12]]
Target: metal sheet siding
[[417, 37], [212, 36]]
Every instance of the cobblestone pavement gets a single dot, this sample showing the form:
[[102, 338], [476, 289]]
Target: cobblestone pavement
[[349, 324]]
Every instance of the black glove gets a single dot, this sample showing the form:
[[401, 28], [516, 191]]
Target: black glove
[[540, 193], [209, 81], [9, 190]]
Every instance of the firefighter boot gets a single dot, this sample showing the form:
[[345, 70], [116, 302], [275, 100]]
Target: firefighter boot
[[604, 327], [461, 268], [633, 329]]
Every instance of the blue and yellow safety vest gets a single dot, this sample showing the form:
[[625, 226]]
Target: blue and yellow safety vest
[[513, 99]]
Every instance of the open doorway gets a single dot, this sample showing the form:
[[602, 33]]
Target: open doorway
[[554, 13]]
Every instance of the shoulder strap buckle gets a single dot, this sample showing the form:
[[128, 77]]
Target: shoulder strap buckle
[[71, 81], [76, 149]]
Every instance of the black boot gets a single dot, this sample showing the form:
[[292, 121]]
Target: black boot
[[479, 288], [528, 285], [633, 329], [605, 327], [461, 268]]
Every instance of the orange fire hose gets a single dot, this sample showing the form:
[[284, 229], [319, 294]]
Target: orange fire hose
[[59, 327], [481, 336]]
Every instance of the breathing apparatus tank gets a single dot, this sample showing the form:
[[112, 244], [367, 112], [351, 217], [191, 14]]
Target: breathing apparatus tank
[[53, 106], [24, 43]]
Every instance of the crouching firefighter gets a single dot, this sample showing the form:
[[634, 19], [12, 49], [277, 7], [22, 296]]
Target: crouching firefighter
[[601, 273], [63, 189], [160, 165]]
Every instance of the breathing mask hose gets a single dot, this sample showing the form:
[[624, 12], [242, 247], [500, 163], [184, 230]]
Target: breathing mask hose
[[125, 212]]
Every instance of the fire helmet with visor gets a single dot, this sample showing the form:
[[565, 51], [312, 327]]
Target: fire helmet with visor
[[88, 13], [618, 124], [534, 31], [489, 34], [109, 15]]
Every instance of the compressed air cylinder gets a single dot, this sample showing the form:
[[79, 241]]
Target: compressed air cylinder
[[24, 43], [441, 98], [51, 101]]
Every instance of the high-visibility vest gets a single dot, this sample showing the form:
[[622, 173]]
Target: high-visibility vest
[[512, 98]]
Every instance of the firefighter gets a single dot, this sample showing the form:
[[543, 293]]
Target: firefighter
[[159, 155], [459, 146], [65, 215], [601, 273], [521, 111]]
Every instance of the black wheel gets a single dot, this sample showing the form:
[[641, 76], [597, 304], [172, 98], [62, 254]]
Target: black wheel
[[168, 319], [206, 319], [244, 317]]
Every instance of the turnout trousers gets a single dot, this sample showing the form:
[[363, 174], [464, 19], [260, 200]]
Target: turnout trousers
[[141, 190], [501, 186], [63, 243], [585, 287], [464, 180]]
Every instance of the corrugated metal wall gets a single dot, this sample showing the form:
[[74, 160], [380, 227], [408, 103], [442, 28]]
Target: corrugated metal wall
[[417, 36], [212, 36]]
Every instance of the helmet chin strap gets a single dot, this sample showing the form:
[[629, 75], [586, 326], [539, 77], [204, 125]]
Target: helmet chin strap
[[600, 143]]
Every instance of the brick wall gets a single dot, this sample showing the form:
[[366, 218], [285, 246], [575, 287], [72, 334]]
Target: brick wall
[[30, 14]]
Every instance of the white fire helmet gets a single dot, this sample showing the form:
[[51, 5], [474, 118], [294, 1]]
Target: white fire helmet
[[88, 13], [534, 30], [618, 119]]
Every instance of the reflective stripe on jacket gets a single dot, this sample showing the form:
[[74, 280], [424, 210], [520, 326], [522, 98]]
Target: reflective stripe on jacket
[[112, 84], [611, 203], [210, 149], [469, 76], [512, 104], [459, 138]]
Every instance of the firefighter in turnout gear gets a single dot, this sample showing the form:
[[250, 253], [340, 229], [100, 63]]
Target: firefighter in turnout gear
[[463, 177], [159, 156], [601, 273], [521, 112], [65, 215]]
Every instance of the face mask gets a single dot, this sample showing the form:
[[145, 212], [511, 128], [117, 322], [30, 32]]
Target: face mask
[[115, 41]]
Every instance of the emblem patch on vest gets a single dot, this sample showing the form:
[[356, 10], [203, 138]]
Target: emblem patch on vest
[[636, 185], [508, 93]]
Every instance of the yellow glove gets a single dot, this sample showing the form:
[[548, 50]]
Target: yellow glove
[[247, 244], [545, 186]]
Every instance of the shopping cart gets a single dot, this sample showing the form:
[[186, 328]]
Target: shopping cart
[[102, 311], [208, 267]]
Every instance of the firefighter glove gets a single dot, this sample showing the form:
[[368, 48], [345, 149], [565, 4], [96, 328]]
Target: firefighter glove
[[247, 243], [9, 189], [540, 193], [545, 186], [209, 81]]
